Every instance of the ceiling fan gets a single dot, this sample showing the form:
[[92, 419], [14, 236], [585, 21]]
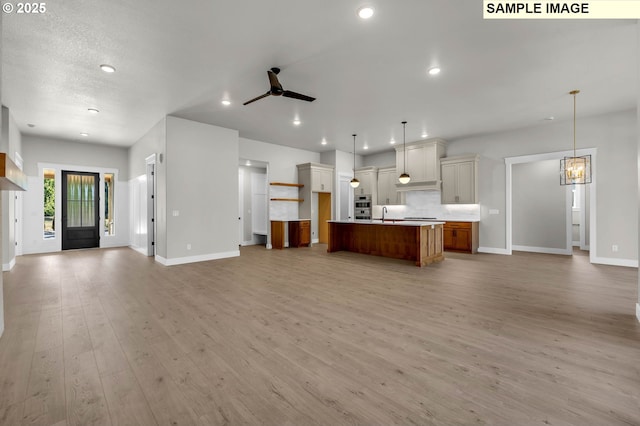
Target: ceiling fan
[[277, 90]]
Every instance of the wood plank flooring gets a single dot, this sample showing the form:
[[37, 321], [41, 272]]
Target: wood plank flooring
[[303, 337]]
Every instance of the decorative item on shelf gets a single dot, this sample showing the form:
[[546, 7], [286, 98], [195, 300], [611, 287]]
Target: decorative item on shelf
[[404, 177], [354, 182], [575, 170]]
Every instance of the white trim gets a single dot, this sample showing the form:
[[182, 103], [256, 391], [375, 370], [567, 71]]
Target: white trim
[[638, 311], [9, 266], [546, 250], [493, 250], [510, 161], [630, 263], [141, 250], [194, 259], [315, 241]]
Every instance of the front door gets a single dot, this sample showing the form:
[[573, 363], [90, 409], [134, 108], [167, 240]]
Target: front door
[[80, 210]]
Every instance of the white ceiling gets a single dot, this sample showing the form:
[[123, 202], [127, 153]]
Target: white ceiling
[[184, 57]]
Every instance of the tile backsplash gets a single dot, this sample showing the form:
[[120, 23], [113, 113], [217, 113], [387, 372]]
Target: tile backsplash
[[428, 204]]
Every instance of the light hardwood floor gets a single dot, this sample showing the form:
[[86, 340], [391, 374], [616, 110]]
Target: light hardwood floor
[[302, 337]]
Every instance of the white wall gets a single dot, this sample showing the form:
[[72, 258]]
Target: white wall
[[539, 208], [39, 153], [202, 191], [1, 236], [11, 144], [615, 136]]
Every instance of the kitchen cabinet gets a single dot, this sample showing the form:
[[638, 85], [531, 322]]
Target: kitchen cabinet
[[277, 234], [368, 177], [387, 191], [461, 236], [321, 179], [422, 164], [299, 233], [460, 180]]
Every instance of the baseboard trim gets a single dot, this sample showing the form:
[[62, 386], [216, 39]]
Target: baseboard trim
[[545, 250], [9, 266], [638, 311], [629, 263], [141, 250], [194, 259], [493, 250]]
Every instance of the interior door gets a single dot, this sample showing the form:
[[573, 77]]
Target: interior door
[[80, 210]]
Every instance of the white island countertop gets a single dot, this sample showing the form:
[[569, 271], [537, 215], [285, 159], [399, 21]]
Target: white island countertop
[[389, 222]]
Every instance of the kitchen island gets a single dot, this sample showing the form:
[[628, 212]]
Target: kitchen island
[[418, 241]]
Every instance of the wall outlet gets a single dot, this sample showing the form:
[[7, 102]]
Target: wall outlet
[[494, 211], [614, 248], [188, 246], [176, 213]]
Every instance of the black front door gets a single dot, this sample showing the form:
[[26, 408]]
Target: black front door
[[80, 210]]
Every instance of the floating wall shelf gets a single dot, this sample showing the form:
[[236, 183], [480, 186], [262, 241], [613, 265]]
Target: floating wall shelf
[[298, 200], [297, 185]]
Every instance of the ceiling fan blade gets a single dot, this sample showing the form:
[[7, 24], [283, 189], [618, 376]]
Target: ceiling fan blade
[[273, 80], [290, 94], [257, 99]]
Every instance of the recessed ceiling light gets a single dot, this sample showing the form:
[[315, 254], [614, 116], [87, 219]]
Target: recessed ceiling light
[[434, 70], [365, 147], [392, 141], [31, 125], [324, 141], [296, 122], [424, 135], [226, 102], [550, 118], [365, 12], [107, 68], [248, 163], [93, 110], [84, 134]]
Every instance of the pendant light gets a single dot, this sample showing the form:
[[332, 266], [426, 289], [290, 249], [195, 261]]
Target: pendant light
[[575, 170], [354, 182], [404, 177]]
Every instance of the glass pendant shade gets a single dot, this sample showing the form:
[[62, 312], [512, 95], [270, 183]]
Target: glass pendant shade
[[404, 178], [575, 170], [354, 183]]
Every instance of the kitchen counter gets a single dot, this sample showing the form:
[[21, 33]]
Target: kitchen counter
[[396, 222], [419, 241]]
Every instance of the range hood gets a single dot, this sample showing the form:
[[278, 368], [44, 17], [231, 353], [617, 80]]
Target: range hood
[[434, 185], [11, 177]]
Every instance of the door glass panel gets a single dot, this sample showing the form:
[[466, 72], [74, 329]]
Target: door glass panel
[[80, 201]]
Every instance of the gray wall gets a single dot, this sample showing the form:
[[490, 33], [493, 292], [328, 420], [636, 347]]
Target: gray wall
[[615, 137], [153, 142], [539, 207], [202, 185], [81, 157], [381, 159]]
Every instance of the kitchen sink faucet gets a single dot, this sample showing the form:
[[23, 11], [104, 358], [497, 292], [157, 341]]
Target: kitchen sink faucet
[[384, 210]]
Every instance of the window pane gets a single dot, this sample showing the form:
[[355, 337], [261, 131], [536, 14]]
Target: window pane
[[108, 204], [49, 207]]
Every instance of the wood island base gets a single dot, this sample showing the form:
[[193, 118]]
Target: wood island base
[[418, 242]]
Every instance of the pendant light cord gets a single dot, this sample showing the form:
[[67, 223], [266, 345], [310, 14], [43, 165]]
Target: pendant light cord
[[404, 147], [574, 93], [354, 155]]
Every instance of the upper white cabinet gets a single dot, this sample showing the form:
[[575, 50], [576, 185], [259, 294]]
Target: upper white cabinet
[[387, 192], [460, 180], [320, 176], [368, 177], [422, 164]]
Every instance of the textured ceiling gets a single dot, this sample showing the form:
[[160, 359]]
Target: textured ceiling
[[183, 58]]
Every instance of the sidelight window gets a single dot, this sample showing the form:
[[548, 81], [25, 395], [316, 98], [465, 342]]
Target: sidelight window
[[49, 207], [109, 213]]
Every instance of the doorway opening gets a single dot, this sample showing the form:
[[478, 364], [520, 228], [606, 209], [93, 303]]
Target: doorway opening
[[253, 202]]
